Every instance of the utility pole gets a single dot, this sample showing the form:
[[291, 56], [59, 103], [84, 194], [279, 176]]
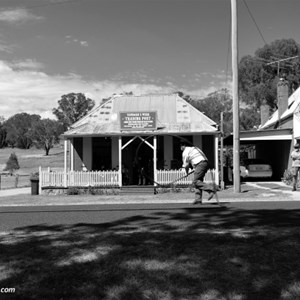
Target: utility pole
[[235, 104]]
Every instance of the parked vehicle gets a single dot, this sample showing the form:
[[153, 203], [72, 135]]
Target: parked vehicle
[[255, 168]]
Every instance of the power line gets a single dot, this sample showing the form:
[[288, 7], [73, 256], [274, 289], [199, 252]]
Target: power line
[[52, 4], [254, 21]]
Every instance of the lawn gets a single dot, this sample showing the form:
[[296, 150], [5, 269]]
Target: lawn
[[29, 160], [216, 253]]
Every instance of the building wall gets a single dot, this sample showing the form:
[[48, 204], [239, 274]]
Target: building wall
[[115, 151], [197, 141], [87, 150], [209, 149], [168, 151], [78, 153], [101, 153]]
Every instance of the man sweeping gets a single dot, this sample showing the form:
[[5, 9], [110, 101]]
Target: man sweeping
[[195, 158]]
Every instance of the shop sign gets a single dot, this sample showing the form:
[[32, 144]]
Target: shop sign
[[141, 120]]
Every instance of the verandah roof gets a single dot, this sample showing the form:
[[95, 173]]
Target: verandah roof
[[174, 116]]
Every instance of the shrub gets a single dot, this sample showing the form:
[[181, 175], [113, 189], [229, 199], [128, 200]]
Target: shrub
[[287, 177], [34, 176], [73, 191], [12, 164]]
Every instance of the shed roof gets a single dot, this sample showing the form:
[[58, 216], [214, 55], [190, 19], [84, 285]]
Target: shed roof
[[253, 137], [174, 115]]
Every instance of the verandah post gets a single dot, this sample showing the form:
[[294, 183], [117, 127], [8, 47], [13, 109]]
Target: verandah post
[[40, 180], [155, 159], [120, 161], [65, 162]]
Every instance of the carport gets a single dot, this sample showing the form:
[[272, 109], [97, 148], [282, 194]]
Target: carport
[[273, 145]]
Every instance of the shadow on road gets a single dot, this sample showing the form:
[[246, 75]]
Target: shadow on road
[[182, 253]]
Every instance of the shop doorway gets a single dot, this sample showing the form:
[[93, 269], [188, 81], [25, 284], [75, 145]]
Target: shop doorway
[[137, 161]]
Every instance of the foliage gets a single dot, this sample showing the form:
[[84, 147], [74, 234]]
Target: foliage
[[34, 176], [18, 129], [249, 118], [258, 79], [12, 164], [45, 134], [92, 191], [72, 107], [287, 177], [2, 133], [257, 85], [213, 105], [73, 191]]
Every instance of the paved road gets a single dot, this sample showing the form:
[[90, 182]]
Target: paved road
[[20, 217]]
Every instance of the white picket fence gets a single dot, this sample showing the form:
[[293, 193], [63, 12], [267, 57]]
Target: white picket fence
[[167, 176], [49, 178], [57, 178]]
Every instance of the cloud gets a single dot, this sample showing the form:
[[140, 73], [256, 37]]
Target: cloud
[[203, 92], [25, 89], [5, 48], [70, 39], [28, 64], [17, 15], [84, 43]]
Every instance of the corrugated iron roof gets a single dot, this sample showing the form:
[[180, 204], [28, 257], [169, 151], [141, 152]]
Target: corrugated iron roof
[[174, 115], [293, 102]]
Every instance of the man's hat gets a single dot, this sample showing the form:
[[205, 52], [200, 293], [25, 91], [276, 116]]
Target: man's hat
[[297, 146]]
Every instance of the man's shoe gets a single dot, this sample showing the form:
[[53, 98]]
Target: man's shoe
[[197, 202], [211, 194], [294, 189]]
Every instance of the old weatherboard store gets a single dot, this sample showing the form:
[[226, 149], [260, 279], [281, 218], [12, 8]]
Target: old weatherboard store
[[114, 141]]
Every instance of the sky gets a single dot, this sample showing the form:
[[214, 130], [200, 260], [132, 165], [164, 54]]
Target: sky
[[49, 48]]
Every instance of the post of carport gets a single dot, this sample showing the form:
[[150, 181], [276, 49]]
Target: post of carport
[[120, 161]]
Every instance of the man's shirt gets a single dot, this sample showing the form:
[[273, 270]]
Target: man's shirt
[[296, 158], [192, 155]]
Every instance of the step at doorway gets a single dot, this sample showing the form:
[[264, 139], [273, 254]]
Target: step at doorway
[[137, 190]]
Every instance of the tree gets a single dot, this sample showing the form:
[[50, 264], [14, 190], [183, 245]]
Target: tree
[[249, 118], [12, 164], [2, 133], [258, 79], [221, 101], [212, 106], [71, 108], [17, 128], [45, 134]]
